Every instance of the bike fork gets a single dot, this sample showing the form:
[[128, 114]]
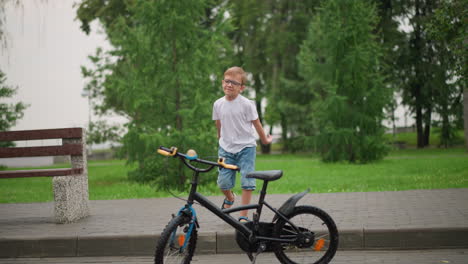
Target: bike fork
[[190, 212]]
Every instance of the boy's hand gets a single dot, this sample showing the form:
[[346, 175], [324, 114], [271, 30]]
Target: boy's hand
[[267, 140]]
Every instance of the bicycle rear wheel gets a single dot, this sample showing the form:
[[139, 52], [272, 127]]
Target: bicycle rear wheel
[[170, 247], [316, 241]]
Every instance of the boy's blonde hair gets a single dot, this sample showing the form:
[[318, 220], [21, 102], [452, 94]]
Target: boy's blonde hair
[[237, 71]]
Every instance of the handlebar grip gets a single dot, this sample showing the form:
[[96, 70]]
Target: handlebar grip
[[227, 166], [167, 153]]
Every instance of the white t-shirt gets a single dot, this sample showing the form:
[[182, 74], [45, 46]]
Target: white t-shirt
[[236, 116]]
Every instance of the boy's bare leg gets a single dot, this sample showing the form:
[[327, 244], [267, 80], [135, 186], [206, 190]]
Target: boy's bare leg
[[229, 196], [246, 197]]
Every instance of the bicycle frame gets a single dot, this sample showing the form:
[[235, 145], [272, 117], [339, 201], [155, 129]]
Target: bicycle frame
[[224, 214], [252, 237]]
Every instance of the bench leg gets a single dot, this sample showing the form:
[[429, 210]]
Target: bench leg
[[71, 198], [71, 192]]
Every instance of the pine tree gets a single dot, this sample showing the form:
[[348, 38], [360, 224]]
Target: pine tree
[[164, 76], [447, 29], [340, 62]]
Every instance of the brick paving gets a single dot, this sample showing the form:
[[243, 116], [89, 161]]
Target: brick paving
[[453, 256], [414, 219]]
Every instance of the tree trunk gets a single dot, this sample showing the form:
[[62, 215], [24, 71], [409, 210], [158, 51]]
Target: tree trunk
[[419, 127], [465, 115], [258, 101], [417, 86], [427, 127], [275, 88], [284, 133]]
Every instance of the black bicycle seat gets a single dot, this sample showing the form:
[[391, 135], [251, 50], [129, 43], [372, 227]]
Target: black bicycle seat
[[270, 175]]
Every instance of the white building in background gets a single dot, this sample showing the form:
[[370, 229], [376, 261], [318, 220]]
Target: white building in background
[[43, 57]]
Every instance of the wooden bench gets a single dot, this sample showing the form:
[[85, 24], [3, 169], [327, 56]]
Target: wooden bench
[[70, 184]]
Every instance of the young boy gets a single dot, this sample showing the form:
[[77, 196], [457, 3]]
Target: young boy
[[235, 117]]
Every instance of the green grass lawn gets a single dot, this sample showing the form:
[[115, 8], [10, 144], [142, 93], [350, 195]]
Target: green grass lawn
[[401, 170], [106, 179]]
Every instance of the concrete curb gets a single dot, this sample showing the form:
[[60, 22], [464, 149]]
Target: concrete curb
[[222, 243]]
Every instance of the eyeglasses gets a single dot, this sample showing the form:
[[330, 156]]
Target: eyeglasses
[[233, 83]]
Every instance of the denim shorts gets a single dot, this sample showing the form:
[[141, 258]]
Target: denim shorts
[[245, 159]]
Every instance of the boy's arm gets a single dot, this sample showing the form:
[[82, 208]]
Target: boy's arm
[[266, 139], [218, 127]]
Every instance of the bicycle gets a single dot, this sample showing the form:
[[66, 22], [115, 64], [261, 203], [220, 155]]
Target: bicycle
[[296, 234]]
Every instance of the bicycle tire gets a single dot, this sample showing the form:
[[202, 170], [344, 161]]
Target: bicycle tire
[[168, 246], [322, 244]]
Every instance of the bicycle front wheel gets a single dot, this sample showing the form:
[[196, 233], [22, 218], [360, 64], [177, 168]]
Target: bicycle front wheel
[[316, 241], [170, 248]]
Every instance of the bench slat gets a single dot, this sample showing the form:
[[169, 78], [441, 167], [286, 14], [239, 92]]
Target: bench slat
[[68, 149], [75, 132], [40, 173]]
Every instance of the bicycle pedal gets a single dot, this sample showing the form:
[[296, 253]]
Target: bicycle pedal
[[254, 258], [261, 248]]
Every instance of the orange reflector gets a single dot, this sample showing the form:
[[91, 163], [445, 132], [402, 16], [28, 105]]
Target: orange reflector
[[319, 244], [181, 240]]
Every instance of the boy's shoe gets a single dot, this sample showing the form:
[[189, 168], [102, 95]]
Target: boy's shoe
[[227, 202], [244, 219]]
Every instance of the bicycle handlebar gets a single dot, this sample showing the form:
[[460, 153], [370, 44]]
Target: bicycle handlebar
[[172, 152]]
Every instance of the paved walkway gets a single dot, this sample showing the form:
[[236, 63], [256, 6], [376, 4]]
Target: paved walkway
[[374, 220], [431, 256]]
